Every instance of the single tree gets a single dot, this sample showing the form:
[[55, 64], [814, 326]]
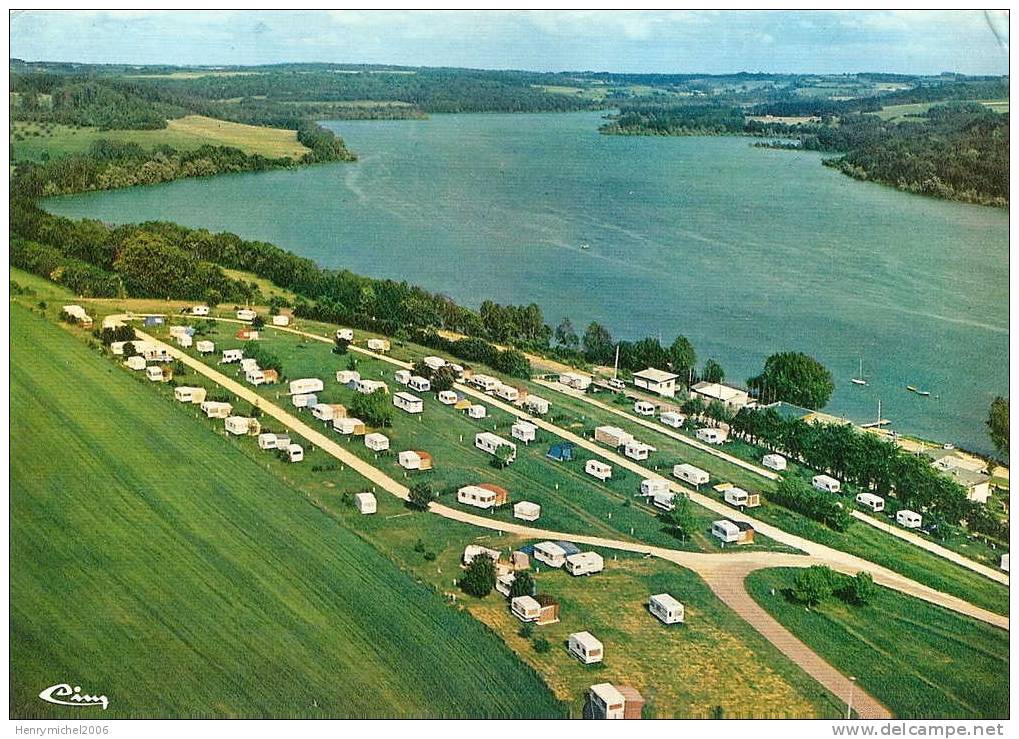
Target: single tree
[[479, 578], [420, 496], [258, 323], [712, 372], [997, 424], [443, 379], [859, 590], [502, 456], [682, 357], [814, 585], [340, 346], [795, 378], [565, 335], [373, 408], [523, 584], [597, 343]]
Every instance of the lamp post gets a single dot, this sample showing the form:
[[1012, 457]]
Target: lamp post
[[849, 705]]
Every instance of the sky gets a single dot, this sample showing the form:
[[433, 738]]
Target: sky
[[908, 42]]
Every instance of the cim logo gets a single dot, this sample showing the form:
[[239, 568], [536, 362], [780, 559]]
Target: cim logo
[[64, 695]]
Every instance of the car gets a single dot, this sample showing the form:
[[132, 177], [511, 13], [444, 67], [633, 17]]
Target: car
[[616, 384]]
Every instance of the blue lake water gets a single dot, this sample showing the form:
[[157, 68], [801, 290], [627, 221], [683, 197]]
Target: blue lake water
[[746, 251]]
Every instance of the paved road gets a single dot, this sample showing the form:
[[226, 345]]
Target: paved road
[[724, 573]]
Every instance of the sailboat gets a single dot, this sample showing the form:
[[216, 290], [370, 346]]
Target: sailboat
[[859, 379]]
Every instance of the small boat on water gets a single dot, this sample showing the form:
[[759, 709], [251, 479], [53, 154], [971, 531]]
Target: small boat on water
[[910, 388], [859, 379], [913, 389], [585, 247]]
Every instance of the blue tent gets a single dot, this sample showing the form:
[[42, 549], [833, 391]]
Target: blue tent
[[561, 452]]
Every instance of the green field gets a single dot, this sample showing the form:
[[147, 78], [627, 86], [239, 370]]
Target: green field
[[919, 660], [915, 111], [36, 141], [152, 564]]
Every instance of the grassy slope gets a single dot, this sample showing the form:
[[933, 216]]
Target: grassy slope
[[185, 133], [919, 660], [149, 565]]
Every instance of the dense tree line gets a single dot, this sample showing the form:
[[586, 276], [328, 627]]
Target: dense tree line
[[49, 262], [664, 119], [862, 459]]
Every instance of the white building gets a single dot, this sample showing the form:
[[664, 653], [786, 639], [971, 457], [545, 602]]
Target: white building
[[345, 334], [1004, 562], [231, 355], [349, 426], [653, 485], [874, 502], [409, 403], [550, 553], [366, 503], [489, 442], [280, 320], [671, 418], [536, 405], [585, 647], [731, 397], [644, 408], [155, 374], [476, 550], [477, 411], [254, 376], [377, 442], [409, 460], [598, 469], [267, 441], [328, 411], [525, 608], [585, 563], [367, 387], [826, 483], [727, 531], [241, 425], [347, 377], [666, 609], [690, 474], [575, 380], [447, 397], [740, 498], [205, 347], [774, 461], [402, 376], [508, 393], [200, 310], [526, 511], [638, 450], [378, 345], [712, 435], [137, 362], [524, 431], [656, 381], [909, 519], [304, 400], [185, 341], [214, 409], [306, 385], [295, 453], [421, 384], [487, 383], [184, 394], [481, 496], [246, 314], [434, 363]]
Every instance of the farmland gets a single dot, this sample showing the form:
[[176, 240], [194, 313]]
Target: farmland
[[918, 659], [36, 141], [251, 600]]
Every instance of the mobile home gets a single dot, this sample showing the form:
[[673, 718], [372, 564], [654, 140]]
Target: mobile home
[[526, 511], [205, 347], [367, 387], [508, 392], [349, 426], [249, 363], [155, 374], [733, 532], [241, 425], [421, 384], [476, 550], [575, 380], [644, 408], [447, 397], [377, 442], [477, 411], [525, 607], [612, 435], [345, 334], [653, 485], [489, 442], [402, 376], [666, 609], [328, 411], [482, 496], [231, 355], [214, 409], [246, 314], [306, 385], [550, 553], [378, 345], [200, 310], [637, 450], [586, 648], [536, 405], [415, 460], [266, 441], [487, 383], [585, 563], [409, 403], [366, 503], [664, 499], [185, 341], [184, 394], [254, 376], [606, 702], [712, 435], [599, 469], [826, 483], [909, 519], [671, 418], [281, 320], [137, 362], [295, 453], [526, 432], [305, 400], [874, 502], [434, 363], [690, 474], [347, 377], [774, 462], [740, 498]]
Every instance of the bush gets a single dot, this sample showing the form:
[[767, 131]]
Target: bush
[[814, 585], [421, 496], [479, 578], [541, 645], [797, 495]]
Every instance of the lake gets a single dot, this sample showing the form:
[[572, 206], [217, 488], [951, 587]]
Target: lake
[[746, 251]]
